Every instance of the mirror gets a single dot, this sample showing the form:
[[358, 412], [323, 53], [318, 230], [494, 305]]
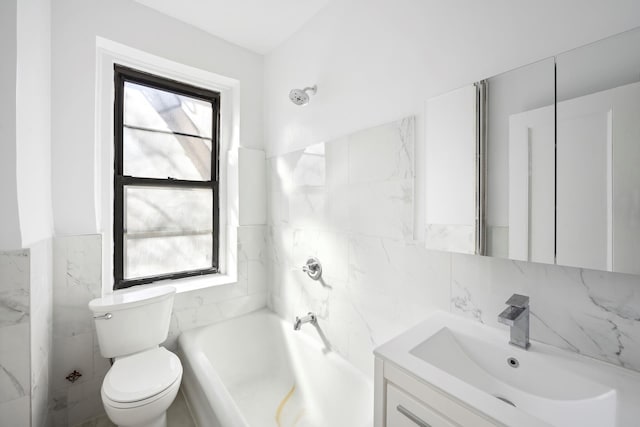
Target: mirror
[[520, 163], [541, 163], [598, 155], [451, 171]]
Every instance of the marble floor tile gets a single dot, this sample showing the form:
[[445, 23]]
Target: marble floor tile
[[178, 415]]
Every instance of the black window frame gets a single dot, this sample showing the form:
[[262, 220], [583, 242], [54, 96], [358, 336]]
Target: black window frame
[[124, 74]]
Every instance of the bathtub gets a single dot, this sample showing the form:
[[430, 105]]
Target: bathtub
[[256, 371]]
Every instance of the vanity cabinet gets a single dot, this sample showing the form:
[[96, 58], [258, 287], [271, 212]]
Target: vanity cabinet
[[402, 400]]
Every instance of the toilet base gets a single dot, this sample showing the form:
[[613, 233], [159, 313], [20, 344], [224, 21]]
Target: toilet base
[[158, 422]]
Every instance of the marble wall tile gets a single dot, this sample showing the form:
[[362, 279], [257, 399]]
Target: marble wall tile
[[40, 398], [372, 304], [280, 244], [357, 199], [589, 312], [15, 413], [25, 334], [77, 279], [15, 319], [15, 381], [14, 291], [361, 183], [69, 354], [382, 209], [257, 276], [332, 248], [382, 153], [336, 164], [239, 306], [84, 401], [308, 208], [252, 243], [393, 285], [58, 412], [41, 301]]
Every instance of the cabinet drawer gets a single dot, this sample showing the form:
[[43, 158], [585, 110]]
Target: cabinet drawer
[[403, 410]]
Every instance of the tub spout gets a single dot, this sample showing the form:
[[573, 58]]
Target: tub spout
[[309, 318]]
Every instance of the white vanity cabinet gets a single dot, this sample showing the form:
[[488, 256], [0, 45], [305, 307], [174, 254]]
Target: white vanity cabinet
[[402, 400]]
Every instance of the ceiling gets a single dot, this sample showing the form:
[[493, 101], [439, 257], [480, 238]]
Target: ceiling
[[258, 25]]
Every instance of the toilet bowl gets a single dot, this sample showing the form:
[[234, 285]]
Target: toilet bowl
[[145, 377]]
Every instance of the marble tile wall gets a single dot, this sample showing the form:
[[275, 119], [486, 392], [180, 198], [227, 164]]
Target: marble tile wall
[[41, 294], [77, 280], [350, 203], [589, 312], [15, 382]]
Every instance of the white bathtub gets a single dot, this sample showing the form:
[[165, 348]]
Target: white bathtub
[[257, 371]]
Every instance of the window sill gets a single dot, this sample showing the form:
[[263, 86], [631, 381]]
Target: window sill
[[187, 284]]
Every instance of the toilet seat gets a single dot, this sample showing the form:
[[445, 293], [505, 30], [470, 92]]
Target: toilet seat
[[142, 378], [151, 401]]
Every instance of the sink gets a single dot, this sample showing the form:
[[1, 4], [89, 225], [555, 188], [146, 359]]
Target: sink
[[542, 386], [518, 378]]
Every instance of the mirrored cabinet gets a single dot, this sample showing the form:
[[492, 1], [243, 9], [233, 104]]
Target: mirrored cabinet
[[541, 163]]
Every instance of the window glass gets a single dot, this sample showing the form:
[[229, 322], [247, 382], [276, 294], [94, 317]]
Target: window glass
[[153, 256], [172, 209], [165, 186], [161, 110], [157, 155]]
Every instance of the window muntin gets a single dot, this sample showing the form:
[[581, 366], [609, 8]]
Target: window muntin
[[166, 179]]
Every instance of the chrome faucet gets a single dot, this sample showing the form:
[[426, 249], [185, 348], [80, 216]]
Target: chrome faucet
[[516, 316], [309, 318]]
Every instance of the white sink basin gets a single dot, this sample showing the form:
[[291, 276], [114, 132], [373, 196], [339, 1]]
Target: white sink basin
[[524, 380], [535, 387]]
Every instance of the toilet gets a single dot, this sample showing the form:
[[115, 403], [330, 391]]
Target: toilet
[[145, 377]]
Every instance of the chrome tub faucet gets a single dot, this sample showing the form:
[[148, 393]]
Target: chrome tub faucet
[[516, 316], [309, 318]]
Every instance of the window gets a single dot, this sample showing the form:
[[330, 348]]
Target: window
[[166, 179]]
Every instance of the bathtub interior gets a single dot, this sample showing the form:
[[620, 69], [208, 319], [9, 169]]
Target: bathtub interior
[[284, 378]]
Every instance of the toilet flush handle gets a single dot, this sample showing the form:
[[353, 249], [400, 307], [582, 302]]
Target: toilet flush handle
[[105, 316]]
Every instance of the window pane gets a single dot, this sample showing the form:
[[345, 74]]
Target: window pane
[[167, 230], [173, 210], [151, 256], [161, 110], [158, 155]]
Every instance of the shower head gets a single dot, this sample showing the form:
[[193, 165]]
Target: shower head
[[300, 96]]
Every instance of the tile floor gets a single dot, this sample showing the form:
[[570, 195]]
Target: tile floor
[[178, 415]]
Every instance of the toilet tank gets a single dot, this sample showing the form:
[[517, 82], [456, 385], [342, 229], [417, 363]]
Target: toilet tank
[[132, 321]]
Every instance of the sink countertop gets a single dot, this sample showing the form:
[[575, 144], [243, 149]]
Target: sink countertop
[[401, 351]]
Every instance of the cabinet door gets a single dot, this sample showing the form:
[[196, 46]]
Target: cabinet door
[[404, 410]]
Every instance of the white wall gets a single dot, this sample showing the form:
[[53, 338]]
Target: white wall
[[75, 25], [9, 217], [378, 60], [25, 152], [33, 120]]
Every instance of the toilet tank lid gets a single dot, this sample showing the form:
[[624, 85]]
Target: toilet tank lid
[[128, 299]]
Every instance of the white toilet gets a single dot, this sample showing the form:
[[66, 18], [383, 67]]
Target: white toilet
[[145, 378]]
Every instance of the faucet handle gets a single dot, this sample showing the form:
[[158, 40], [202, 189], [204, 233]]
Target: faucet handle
[[517, 300]]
